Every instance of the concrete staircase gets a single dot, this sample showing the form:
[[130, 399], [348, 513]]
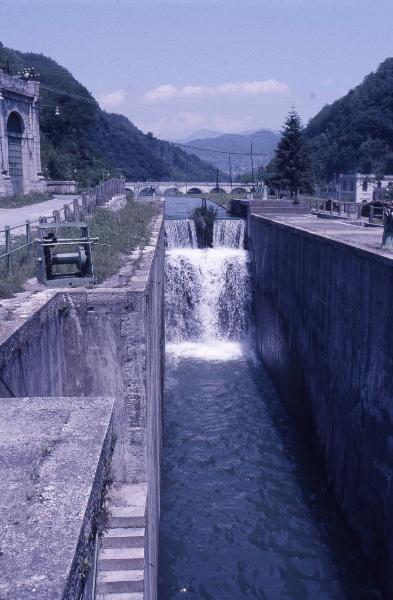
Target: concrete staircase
[[122, 554]]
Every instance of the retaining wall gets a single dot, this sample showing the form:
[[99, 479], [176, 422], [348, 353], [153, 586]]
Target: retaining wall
[[323, 326], [106, 341]]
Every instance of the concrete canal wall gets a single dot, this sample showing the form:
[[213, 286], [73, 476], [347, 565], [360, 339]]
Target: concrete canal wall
[[323, 306], [101, 342]]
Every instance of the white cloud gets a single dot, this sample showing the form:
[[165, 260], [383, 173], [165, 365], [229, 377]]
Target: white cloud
[[162, 92], [269, 87], [113, 99]]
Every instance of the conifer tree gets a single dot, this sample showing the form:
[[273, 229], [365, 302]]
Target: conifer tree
[[292, 163]]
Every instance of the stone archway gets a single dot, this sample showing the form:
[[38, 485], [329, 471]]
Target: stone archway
[[15, 160]]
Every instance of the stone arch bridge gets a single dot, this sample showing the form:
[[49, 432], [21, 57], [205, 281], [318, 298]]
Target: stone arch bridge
[[171, 188]]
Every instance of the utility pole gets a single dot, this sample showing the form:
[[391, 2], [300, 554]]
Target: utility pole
[[187, 175], [217, 186], [252, 168], [230, 171]]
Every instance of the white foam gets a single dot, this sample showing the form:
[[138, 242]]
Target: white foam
[[211, 350], [207, 294]]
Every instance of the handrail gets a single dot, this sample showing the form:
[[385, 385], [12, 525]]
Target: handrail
[[342, 208]]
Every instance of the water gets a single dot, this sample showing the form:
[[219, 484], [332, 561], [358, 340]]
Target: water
[[180, 207], [244, 511], [228, 233], [180, 233]]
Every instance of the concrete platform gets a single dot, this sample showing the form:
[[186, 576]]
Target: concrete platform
[[54, 452], [347, 231]]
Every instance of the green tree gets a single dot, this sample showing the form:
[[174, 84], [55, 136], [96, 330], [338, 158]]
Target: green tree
[[292, 164]]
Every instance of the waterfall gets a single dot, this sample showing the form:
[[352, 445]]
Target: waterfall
[[208, 294], [229, 233], [180, 233]]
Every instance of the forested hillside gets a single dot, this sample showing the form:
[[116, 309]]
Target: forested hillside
[[83, 141], [355, 133]]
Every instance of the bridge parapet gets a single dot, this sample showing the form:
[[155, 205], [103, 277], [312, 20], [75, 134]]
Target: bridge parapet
[[166, 188]]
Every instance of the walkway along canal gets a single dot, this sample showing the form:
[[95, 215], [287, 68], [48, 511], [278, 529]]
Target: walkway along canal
[[245, 512]]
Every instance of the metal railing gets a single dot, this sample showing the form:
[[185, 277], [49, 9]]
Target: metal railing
[[81, 208], [350, 210]]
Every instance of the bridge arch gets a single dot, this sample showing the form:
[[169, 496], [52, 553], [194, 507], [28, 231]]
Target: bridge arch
[[217, 190], [239, 190], [194, 190], [147, 191], [171, 191]]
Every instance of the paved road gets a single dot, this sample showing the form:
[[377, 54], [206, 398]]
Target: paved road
[[18, 216]]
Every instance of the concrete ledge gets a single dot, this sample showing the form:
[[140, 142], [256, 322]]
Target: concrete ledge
[[55, 452]]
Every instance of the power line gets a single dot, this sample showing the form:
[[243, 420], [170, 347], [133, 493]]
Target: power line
[[223, 151], [69, 94]]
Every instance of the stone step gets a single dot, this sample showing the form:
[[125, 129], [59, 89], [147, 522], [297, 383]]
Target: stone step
[[120, 596], [121, 553], [113, 564], [125, 575], [114, 587], [126, 522], [125, 531], [127, 511], [131, 541]]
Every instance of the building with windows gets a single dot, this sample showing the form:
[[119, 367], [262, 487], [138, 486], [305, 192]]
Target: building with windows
[[20, 159], [360, 187]]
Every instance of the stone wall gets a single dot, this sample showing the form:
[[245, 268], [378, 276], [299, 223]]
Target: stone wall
[[323, 312], [61, 187]]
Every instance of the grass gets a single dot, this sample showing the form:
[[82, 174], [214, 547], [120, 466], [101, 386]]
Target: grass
[[123, 231], [120, 233], [19, 200], [22, 267]]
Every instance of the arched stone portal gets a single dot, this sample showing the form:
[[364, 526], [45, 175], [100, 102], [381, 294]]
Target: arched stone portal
[[15, 129], [194, 190], [20, 157]]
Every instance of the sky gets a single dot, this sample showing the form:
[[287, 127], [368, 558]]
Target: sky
[[176, 66]]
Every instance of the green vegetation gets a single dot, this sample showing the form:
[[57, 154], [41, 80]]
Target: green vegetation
[[119, 232], [19, 200], [22, 267], [86, 143], [355, 133], [122, 231], [204, 218], [291, 167]]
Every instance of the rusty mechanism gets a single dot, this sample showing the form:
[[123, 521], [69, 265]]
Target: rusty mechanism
[[49, 257]]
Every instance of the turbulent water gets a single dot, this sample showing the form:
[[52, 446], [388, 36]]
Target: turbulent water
[[228, 233], [207, 290], [244, 513], [181, 233]]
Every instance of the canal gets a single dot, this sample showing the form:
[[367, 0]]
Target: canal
[[245, 512]]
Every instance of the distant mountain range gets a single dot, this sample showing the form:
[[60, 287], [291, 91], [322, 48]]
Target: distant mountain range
[[210, 145]]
